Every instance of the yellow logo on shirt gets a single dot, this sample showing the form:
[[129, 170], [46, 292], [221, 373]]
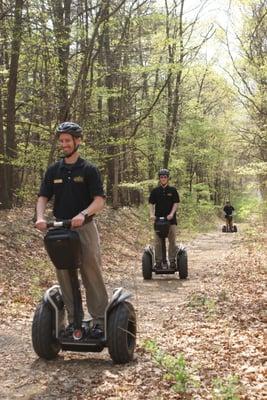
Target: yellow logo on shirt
[[78, 179], [58, 180]]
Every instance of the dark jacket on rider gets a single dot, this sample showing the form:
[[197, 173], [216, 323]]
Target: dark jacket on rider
[[164, 198], [228, 209]]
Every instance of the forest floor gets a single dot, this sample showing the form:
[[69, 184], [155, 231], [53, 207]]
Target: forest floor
[[200, 338]]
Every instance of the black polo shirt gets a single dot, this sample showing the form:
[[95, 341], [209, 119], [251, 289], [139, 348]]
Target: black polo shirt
[[164, 198], [73, 186], [228, 210]]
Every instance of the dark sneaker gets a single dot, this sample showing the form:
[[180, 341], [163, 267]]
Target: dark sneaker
[[68, 331], [172, 264], [97, 332]]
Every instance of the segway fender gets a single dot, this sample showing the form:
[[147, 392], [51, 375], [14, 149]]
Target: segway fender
[[149, 250], [180, 248], [119, 296], [53, 297]]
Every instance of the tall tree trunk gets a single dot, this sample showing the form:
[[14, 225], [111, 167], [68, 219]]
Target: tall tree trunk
[[4, 203], [11, 150], [4, 198], [112, 163], [62, 26], [174, 95]]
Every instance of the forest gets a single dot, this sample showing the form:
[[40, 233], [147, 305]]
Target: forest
[[153, 84], [173, 84]]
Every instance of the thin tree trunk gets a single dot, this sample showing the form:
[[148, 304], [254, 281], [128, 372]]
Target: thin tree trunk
[[112, 164], [11, 149], [4, 199], [4, 203], [62, 25], [174, 96]]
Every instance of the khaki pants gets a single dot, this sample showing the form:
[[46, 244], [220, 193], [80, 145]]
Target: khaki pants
[[96, 294], [172, 245], [229, 220]]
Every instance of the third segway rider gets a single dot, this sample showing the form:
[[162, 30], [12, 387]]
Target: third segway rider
[[78, 195], [164, 201], [228, 214]]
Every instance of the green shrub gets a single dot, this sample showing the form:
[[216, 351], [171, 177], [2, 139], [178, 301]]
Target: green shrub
[[175, 368], [196, 216], [247, 207], [226, 389]]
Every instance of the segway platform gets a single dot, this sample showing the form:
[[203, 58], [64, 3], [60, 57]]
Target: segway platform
[[81, 341], [166, 270]]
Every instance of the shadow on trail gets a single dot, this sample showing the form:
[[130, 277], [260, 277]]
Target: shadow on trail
[[83, 359], [74, 374]]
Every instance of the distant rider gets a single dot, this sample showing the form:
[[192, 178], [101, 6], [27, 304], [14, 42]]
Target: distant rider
[[163, 202], [228, 214]]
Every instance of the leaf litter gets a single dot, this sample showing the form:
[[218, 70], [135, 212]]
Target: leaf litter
[[215, 319]]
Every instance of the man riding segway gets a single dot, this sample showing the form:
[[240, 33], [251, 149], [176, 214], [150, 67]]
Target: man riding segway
[[228, 215], [78, 191], [72, 243], [163, 202]]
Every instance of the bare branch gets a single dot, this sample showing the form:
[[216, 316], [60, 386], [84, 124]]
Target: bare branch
[[150, 108]]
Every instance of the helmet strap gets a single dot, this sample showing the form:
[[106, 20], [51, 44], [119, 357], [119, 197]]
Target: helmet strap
[[73, 151]]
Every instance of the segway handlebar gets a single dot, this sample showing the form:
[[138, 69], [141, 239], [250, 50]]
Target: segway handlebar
[[66, 223]]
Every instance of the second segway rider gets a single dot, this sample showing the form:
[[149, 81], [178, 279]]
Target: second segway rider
[[78, 195], [163, 202]]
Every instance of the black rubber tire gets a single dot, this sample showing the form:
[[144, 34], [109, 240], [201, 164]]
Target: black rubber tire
[[224, 228], [122, 333], [182, 264], [44, 344], [147, 266], [235, 228]]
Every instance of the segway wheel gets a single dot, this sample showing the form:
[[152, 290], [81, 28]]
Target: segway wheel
[[44, 343], [182, 263], [235, 228], [224, 229], [122, 333], [147, 266]]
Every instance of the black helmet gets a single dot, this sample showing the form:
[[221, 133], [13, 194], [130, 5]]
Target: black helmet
[[164, 171], [71, 128]]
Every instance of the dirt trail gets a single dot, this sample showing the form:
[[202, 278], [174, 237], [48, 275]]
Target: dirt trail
[[162, 316], [165, 294]]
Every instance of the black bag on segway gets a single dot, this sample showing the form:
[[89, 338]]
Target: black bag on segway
[[64, 248], [162, 226]]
